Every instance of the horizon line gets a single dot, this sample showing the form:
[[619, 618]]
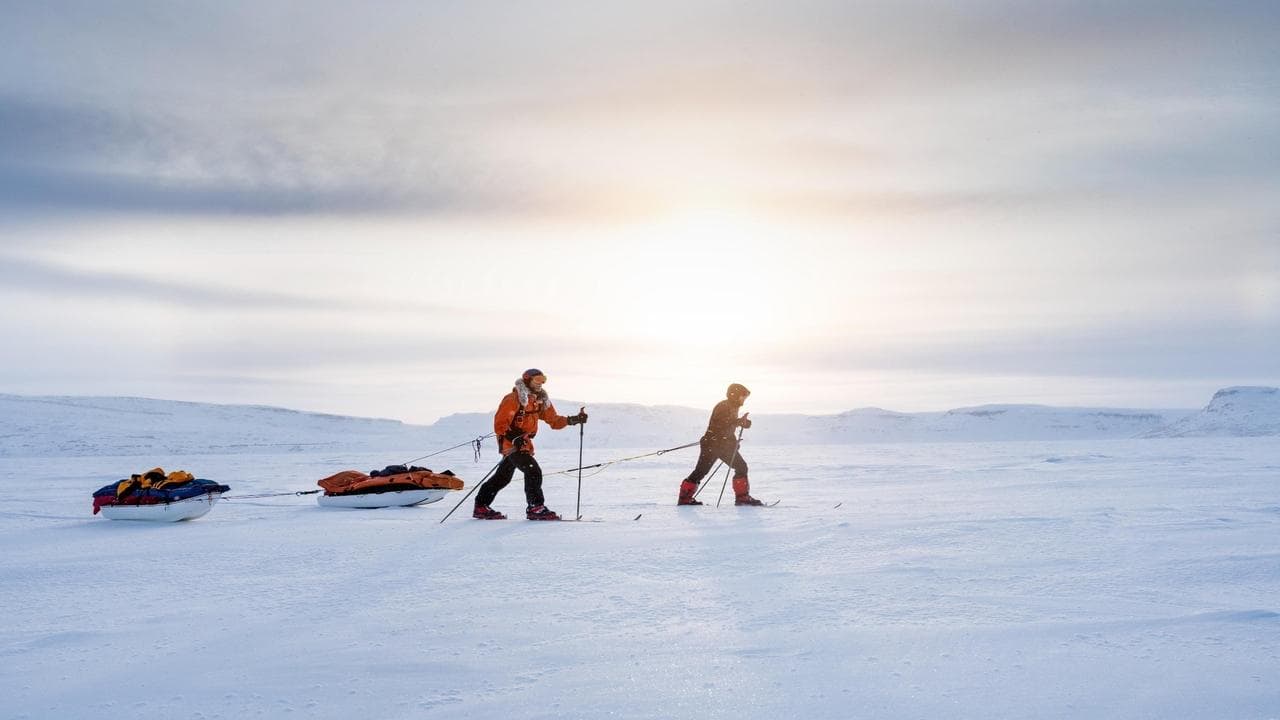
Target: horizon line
[[633, 404]]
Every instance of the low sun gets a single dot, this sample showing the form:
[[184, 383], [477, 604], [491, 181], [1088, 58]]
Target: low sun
[[706, 283]]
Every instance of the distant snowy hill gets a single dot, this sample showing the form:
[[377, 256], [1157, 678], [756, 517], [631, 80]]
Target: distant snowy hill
[[1233, 412], [79, 426], [610, 425], [984, 423], [635, 426]]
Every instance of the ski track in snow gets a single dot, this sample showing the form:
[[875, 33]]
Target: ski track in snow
[[1113, 579]]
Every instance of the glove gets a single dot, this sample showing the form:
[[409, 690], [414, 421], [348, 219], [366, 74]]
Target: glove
[[578, 419], [518, 443], [745, 422]]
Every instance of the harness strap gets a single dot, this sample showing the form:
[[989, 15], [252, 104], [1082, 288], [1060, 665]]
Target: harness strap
[[518, 419]]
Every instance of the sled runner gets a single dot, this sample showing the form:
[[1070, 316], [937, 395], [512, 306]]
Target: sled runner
[[393, 498], [188, 509]]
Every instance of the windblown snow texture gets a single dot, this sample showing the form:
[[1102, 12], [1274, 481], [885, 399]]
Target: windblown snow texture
[[1072, 579]]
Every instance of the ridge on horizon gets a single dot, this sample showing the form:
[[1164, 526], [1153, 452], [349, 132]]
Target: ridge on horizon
[[60, 426], [69, 399]]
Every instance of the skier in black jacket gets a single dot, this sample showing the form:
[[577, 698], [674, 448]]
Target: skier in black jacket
[[719, 441]]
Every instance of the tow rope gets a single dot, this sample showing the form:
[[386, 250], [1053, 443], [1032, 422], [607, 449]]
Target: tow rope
[[604, 465], [477, 445], [264, 495]]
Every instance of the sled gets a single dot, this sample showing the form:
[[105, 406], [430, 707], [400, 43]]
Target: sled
[[354, 489]]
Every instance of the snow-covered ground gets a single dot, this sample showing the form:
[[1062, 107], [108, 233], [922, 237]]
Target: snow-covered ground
[[1098, 579]]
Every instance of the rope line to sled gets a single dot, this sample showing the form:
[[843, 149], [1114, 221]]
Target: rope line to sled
[[263, 495], [475, 443], [604, 465], [598, 467]]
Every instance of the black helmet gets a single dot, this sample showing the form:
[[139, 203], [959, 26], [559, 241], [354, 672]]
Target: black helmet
[[736, 389]]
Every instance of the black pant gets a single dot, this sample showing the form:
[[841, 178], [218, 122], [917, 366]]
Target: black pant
[[711, 450], [502, 477]]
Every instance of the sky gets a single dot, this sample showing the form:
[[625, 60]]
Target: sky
[[392, 209]]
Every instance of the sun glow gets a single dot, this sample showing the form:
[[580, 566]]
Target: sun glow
[[697, 298], [705, 279]]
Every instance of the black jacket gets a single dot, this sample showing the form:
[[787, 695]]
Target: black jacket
[[724, 422]]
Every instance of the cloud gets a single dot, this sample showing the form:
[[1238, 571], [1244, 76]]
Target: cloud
[[488, 109], [79, 155], [53, 280], [1169, 348]]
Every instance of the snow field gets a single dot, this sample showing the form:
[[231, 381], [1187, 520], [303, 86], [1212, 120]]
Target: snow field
[[1114, 579]]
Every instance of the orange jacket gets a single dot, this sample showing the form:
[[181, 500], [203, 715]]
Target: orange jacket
[[509, 417]]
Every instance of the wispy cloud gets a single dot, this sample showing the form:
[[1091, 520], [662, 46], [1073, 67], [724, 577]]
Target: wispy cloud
[[1153, 348], [151, 158], [99, 286]]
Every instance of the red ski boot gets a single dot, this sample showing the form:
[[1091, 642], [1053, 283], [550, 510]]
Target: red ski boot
[[540, 512], [687, 489], [742, 492], [484, 512]]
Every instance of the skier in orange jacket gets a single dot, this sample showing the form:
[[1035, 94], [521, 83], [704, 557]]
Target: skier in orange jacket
[[516, 424]]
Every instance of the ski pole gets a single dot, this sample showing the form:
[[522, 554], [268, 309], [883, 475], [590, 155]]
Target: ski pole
[[582, 427], [729, 469], [714, 469], [473, 489]]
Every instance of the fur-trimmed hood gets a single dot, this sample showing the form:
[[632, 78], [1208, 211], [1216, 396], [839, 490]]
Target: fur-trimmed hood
[[523, 392]]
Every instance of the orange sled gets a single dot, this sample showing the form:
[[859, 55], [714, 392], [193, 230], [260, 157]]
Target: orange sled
[[354, 489]]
